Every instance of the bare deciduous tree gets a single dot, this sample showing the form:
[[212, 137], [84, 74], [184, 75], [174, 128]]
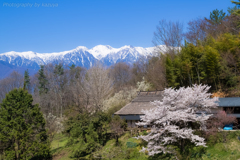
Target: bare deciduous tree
[[61, 90], [14, 80], [139, 69], [121, 75], [169, 34], [196, 30], [156, 65], [97, 85]]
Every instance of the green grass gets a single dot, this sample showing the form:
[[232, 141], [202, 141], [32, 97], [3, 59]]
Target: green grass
[[226, 151], [120, 151], [58, 142], [109, 151], [221, 151], [59, 151]]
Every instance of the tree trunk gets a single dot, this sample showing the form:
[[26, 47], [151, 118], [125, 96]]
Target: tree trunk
[[117, 140], [198, 74], [16, 150], [182, 145]]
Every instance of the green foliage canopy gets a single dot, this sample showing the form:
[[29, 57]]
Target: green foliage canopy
[[215, 62]]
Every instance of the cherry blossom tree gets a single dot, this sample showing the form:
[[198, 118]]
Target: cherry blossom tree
[[175, 118]]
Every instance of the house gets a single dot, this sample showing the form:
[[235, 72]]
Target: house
[[232, 105], [132, 111]]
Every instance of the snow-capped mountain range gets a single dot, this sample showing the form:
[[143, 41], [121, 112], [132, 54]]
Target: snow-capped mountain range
[[80, 56]]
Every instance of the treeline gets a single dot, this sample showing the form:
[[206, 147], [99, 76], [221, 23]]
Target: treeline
[[57, 87], [208, 53]]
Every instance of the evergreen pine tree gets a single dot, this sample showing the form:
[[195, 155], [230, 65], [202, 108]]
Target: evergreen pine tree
[[72, 66], [235, 2], [42, 81], [58, 70], [217, 16], [236, 9], [22, 134], [26, 81], [232, 10]]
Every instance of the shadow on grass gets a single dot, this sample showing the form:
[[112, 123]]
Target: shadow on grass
[[55, 150], [160, 156]]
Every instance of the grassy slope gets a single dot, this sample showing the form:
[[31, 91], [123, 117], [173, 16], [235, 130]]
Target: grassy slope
[[59, 151], [229, 150], [226, 151], [121, 151], [109, 151]]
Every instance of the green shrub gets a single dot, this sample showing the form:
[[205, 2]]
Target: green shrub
[[131, 145], [132, 153], [145, 133], [87, 132]]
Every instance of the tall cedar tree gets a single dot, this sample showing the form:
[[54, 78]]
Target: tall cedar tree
[[26, 80], [22, 134], [42, 81]]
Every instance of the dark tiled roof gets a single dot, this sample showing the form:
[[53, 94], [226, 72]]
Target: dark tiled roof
[[135, 108], [141, 102], [148, 96], [229, 102]]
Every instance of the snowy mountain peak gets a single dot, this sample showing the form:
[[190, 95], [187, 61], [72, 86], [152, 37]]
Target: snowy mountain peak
[[127, 46], [80, 56], [101, 51], [102, 48], [99, 47], [81, 48], [27, 54]]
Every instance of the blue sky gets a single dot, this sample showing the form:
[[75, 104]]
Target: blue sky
[[58, 25]]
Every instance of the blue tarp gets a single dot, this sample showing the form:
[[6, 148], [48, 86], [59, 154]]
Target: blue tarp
[[228, 127]]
